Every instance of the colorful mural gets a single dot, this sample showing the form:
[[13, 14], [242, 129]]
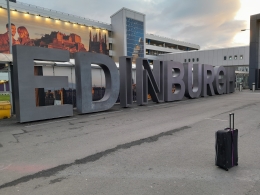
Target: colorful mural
[[45, 32]]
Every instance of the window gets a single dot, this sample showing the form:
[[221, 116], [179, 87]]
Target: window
[[110, 34], [193, 60], [225, 57], [189, 60], [135, 37], [197, 59], [241, 57], [184, 60], [230, 57], [235, 57]]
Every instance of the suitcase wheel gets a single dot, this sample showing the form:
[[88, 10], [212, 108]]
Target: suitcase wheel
[[226, 169], [237, 164]]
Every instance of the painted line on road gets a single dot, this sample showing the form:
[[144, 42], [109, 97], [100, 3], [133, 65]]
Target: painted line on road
[[5, 167], [165, 104], [105, 113], [215, 119], [177, 102], [155, 105], [69, 119], [254, 93], [49, 122], [134, 109]]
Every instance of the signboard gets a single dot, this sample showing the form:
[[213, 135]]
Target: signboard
[[45, 32], [206, 80]]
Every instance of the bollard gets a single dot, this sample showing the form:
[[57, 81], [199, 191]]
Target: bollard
[[253, 87], [240, 86]]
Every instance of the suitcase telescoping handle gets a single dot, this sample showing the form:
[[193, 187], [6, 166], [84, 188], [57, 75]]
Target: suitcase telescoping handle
[[232, 130], [231, 116]]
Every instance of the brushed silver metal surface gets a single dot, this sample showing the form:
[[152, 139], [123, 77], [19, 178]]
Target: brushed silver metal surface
[[83, 61], [25, 83]]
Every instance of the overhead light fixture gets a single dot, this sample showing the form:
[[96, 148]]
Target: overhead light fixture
[[245, 29]]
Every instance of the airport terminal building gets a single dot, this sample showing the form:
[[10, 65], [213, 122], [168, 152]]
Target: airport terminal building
[[125, 36]]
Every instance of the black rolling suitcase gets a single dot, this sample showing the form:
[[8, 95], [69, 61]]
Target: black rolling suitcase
[[226, 146]]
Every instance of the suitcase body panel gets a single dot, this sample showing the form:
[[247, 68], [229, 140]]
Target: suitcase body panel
[[226, 148]]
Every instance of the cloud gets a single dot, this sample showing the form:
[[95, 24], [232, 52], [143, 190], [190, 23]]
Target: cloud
[[208, 23]]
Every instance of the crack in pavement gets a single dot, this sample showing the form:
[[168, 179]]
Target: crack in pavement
[[74, 128], [91, 158], [57, 180], [239, 108], [15, 135], [16, 138]]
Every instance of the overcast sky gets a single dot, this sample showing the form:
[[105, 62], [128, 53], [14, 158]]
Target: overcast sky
[[208, 23]]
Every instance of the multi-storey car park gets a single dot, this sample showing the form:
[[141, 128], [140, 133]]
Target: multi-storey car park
[[125, 36]]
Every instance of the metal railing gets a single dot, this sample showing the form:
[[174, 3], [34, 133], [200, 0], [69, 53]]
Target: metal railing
[[173, 39]]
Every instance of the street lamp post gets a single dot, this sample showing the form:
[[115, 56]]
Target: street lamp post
[[9, 27], [253, 84], [10, 49]]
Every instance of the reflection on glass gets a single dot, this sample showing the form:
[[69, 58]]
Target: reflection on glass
[[135, 37]]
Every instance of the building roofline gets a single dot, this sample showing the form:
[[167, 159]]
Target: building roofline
[[33, 9], [59, 12], [124, 8], [174, 40], [206, 50]]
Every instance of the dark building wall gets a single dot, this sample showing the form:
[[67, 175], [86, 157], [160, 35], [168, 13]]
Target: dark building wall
[[254, 65]]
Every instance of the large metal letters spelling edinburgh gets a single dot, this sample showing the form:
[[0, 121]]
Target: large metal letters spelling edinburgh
[[168, 81]]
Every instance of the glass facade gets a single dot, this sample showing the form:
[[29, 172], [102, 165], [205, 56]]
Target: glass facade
[[134, 38]]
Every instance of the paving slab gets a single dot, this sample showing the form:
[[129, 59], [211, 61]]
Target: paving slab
[[163, 148]]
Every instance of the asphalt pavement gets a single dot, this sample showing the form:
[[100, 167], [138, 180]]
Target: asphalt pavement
[[165, 148]]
